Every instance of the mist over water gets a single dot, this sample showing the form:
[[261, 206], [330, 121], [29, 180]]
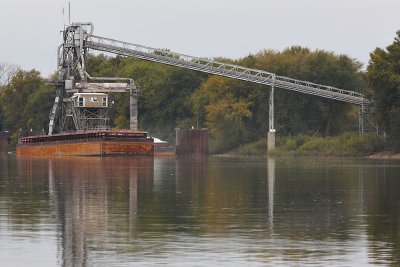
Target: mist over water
[[109, 211]]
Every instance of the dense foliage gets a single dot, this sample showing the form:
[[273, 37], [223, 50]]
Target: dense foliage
[[236, 112], [383, 75], [25, 103]]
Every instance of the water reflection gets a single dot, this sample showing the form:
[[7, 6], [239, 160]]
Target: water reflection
[[271, 184], [102, 211], [85, 190], [85, 201], [3, 165]]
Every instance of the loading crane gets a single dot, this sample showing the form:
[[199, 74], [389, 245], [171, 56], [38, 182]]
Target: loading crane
[[81, 101], [73, 78]]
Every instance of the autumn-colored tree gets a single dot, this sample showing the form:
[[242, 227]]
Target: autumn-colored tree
[[295, 113], [219, 101]]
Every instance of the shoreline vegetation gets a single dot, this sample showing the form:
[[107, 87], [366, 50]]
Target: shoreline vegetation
[[344, 145]]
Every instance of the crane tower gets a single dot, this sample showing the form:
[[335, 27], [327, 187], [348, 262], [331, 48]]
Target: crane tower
[[81, 102]]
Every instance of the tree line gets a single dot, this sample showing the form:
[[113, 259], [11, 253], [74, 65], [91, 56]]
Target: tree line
[[235, 112]]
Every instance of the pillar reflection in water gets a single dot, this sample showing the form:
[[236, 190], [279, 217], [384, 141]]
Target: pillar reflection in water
[[361, 186], [53, 200], [3, 166], [133, 176], [190, 174], [93, 196], [271, 184]]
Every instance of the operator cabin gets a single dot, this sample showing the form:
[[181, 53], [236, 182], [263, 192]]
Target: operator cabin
[[90, 100]]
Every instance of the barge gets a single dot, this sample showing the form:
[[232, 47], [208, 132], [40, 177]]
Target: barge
[[90, 143]]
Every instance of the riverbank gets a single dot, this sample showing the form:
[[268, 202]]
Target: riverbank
[[344, 145], [384, 155]]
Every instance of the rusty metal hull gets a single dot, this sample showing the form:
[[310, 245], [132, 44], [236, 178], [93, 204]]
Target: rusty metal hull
[[95, 144], [90, 148], [192, 143]]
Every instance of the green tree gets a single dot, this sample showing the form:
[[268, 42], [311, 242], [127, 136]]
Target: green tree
[[383, 75], [304, 114], [25, 102], [295, 113], [235, 112]]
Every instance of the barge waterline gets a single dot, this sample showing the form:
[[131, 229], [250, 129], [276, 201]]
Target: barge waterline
[[93, 143]]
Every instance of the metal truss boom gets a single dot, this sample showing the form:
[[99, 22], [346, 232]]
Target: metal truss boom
[[222, 69]]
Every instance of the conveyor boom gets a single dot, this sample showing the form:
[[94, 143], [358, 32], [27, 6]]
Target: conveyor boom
[[222, 69]]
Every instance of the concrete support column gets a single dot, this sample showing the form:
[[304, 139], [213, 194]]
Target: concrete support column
[[133, 99], [271, 132], [271, 140]]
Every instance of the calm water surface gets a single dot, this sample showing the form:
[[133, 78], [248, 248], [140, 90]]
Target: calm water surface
[[89, 211]]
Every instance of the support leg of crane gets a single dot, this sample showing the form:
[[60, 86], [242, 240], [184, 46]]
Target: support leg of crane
[[361, 113], [133, 98]]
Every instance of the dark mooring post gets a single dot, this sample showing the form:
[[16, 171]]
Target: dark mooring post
[[271, 131], [191, 143]]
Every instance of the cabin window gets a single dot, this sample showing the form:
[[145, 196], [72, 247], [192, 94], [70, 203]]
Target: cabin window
[[104, 101], [93, 99], [80, 102]]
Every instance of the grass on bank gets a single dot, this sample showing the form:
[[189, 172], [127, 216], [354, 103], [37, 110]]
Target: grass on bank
[[344, 145]]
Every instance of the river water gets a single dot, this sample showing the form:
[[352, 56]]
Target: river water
[[141, 211]]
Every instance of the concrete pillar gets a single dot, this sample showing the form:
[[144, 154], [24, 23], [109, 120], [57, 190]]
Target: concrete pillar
[[271, 140], [133, 99]]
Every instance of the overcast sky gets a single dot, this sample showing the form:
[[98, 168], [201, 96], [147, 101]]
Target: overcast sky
[[30, 29]]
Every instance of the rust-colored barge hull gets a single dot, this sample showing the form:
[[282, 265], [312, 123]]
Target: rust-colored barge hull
[[96, 143]]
